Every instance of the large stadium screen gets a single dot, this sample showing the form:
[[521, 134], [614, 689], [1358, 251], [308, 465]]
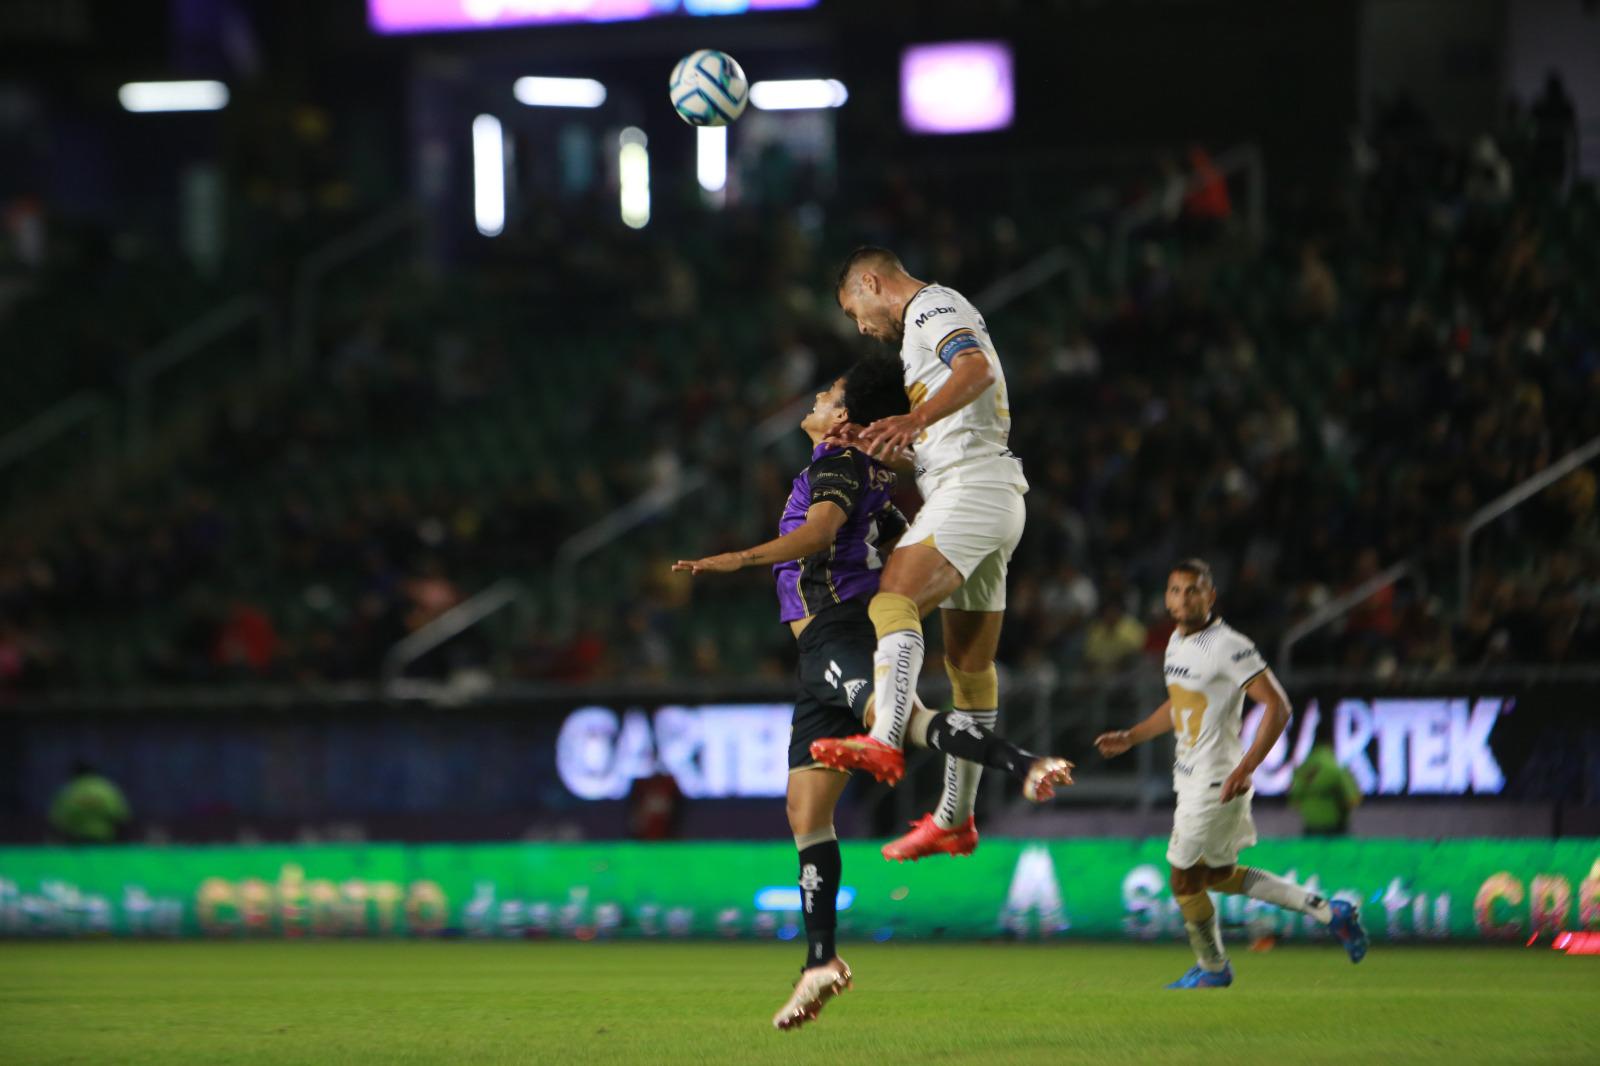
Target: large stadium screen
[[957, 87], [433, 16]]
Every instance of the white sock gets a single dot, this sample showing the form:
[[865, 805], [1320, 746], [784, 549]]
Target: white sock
[[961, 780], [1206, 939], [1270, 888], [896, 667]]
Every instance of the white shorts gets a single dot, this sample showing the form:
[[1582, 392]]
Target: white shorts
[[976, 528], [1208, 832]]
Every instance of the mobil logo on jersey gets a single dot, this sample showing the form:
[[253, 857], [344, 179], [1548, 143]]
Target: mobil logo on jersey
[[1395, 746], [927, 315]]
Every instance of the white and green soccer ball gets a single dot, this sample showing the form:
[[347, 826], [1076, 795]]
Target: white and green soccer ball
[[709, 88]]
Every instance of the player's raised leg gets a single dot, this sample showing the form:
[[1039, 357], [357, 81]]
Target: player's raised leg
[[1343, 919], [980, 536], [915, 579], [959, 735], [813, 794], [1211, 969]]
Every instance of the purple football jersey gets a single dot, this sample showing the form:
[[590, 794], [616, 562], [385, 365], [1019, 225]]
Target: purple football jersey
[[849, 569]]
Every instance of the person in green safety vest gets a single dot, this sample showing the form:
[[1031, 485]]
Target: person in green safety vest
[[1322, 791], [89, 809]]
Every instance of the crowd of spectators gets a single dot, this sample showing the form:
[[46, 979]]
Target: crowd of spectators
[[1303, 408], [1414, 352]]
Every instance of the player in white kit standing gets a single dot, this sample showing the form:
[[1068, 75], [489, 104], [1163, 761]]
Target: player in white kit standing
[[1210, 668], [955, 554]]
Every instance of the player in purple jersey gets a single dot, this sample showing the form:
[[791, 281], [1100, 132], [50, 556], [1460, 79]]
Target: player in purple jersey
[[836, 529]]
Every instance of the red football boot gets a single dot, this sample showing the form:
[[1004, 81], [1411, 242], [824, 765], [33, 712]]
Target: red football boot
[[928, 837], [886, 763]]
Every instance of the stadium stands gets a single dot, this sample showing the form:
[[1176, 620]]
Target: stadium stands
[[1304, 410]]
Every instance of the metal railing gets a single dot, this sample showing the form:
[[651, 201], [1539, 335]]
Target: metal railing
[[452, 623], [1031, 275], [1245, 159], [579, 547], [1510, 501], [113, 452], [1342, 605], [84, 408], [1497, 508], [186, 344], [313, 271], [647, 505], [190, 342]]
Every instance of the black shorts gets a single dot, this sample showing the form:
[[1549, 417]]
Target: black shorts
[[834, 676]]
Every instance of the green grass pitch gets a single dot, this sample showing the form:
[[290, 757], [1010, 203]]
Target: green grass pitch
[[456, 1002]]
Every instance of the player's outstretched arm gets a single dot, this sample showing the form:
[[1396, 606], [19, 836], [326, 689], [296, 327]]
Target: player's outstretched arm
[[1118, 741], [822, 525], [1264, 689], [970, 377]]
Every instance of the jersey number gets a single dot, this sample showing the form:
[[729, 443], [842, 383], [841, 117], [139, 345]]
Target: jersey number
[[1188, 713]]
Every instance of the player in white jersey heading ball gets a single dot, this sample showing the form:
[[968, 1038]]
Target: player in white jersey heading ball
[[1210, 668], [956, 552]]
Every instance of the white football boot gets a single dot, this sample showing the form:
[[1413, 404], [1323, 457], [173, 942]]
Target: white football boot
[[816, 986], [1043, 777]]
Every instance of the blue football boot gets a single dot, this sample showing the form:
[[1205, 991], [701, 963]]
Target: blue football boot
[[1345, 925], [1199, 978]]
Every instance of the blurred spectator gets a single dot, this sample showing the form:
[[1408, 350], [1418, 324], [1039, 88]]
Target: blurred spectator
[[1488, 175], [707, 657], [89, 809], [246, 640], [1077, 357], [430, 593], [1373, 617], [655, 807], [24, 657], [1316, 293], [1114, 640], [1207, 205], [1068, 597], [1322, 792]]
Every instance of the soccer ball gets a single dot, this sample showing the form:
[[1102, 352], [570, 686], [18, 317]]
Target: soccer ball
[[708, 88]]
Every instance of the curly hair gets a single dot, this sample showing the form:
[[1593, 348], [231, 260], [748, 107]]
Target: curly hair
[[874, 388]]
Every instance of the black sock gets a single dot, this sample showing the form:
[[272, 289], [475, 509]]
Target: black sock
[[957, 734], [820, 870]]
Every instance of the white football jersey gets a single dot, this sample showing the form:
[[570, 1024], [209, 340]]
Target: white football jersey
[[1207, 672], [970, 445]]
